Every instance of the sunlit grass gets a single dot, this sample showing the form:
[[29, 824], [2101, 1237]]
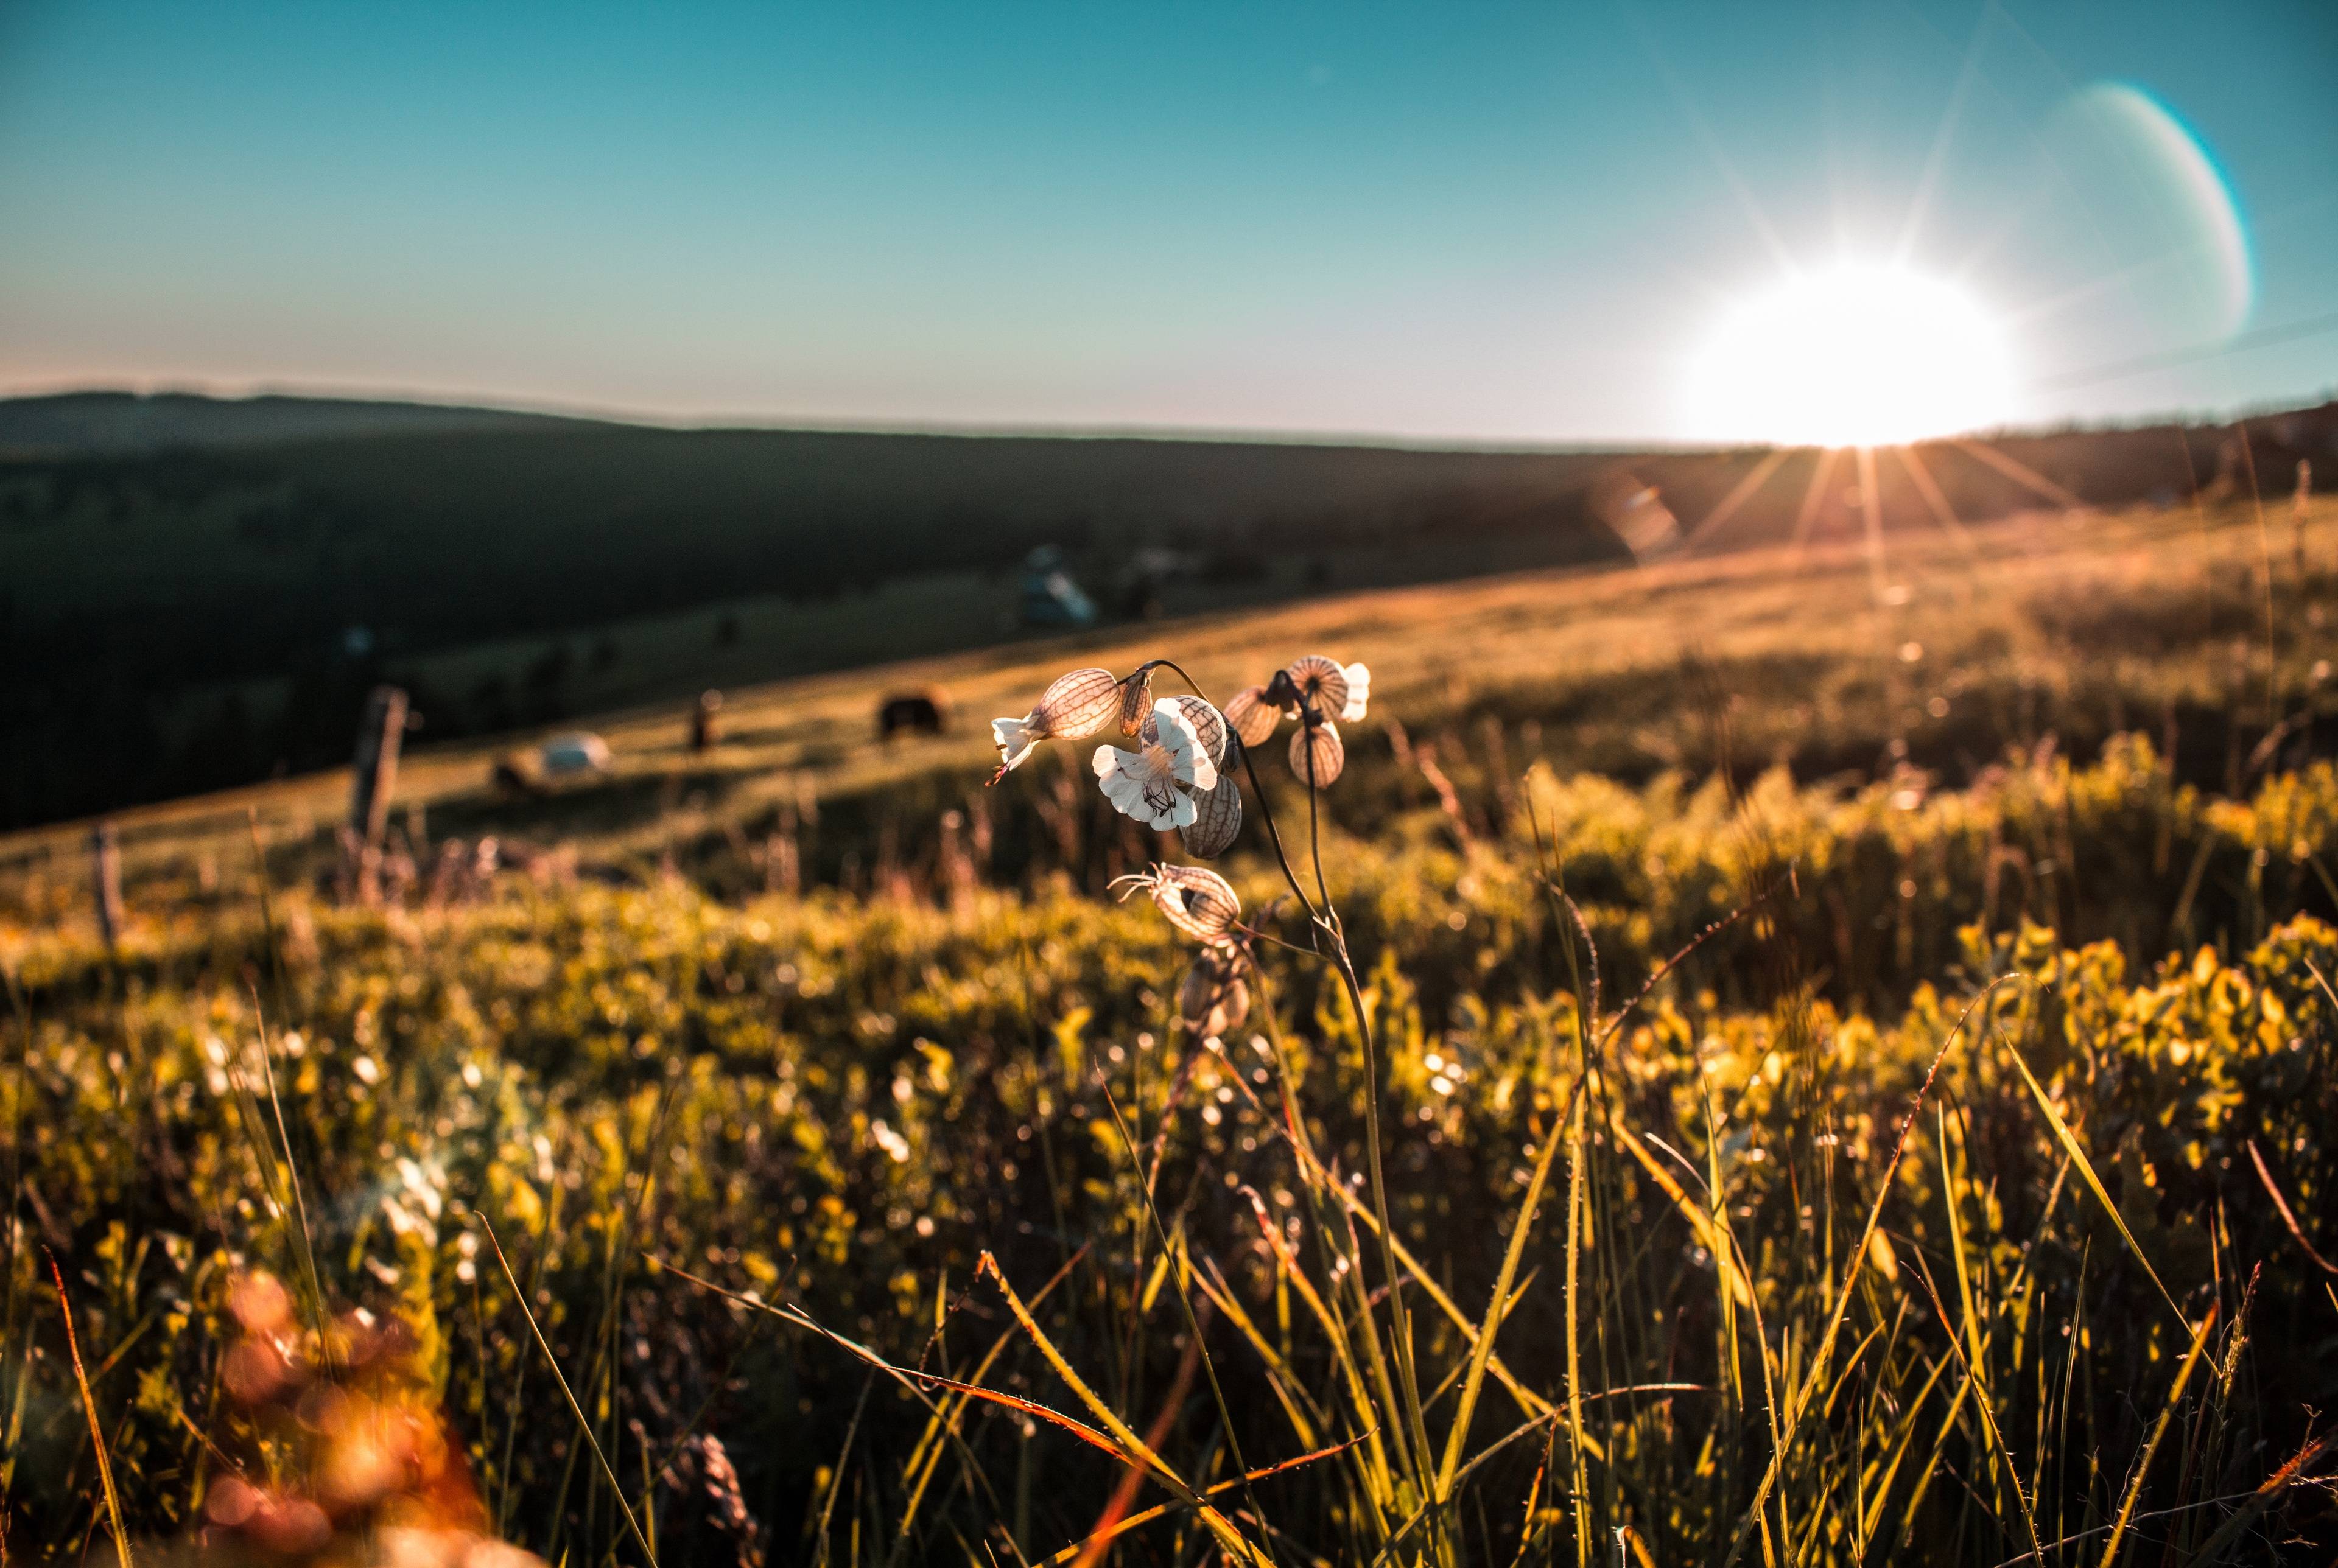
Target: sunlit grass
[[1921, 1166]]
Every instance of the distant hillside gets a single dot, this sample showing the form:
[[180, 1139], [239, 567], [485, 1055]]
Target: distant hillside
[[195, 593], [89, 423]]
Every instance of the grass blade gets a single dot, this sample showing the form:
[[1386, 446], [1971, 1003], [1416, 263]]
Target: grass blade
[[89, 1408], [2069, 1142], [2158, 1431]]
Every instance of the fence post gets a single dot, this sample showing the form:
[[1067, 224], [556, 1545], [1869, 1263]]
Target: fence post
[[106, 878], [372, 776], [2298, 509]]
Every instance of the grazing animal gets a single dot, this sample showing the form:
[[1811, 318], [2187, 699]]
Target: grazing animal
[[925, 712], [512, 778]]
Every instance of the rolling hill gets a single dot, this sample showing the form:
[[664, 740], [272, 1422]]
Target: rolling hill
[[195, 593]]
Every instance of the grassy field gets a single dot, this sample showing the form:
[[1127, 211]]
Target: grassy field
[[196, 593], [1805, 1056]]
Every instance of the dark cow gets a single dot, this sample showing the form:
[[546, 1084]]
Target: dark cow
[[512, 778], [925, 712]]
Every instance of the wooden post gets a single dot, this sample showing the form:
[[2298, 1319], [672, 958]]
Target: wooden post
[[701, 721], [106, 878], [372, 776], [2298, 510]]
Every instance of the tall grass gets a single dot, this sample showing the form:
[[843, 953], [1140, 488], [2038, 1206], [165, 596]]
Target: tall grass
[[1933, 1227]]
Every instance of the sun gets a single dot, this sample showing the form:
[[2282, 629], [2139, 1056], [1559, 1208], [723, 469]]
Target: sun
[[1855, 356]]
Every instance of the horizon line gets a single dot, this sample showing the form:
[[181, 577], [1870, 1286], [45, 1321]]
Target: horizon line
[[1196, 434]]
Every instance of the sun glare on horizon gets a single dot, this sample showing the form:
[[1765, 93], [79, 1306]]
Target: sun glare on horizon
[[1854, 356]]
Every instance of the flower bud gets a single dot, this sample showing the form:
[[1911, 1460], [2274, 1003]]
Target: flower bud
[[1135, 701]]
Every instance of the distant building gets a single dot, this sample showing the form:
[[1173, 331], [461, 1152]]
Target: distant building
[[1050, 597]]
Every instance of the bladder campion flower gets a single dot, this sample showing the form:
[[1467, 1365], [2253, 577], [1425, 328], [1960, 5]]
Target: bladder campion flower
[[1322, 684], [1320, 737], [1198, 900], [1076, 705], [1310, 688], [1254, 718], [1217, 810], [1155, 783]]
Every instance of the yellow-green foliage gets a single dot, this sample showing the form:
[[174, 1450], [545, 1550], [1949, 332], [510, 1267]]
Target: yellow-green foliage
[[839, 1105]]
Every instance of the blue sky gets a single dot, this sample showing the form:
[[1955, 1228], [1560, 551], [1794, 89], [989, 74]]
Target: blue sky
[[1499, 223]]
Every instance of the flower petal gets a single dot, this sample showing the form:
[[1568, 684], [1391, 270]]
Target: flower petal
[[1174, 733], [1014, 738], [1208, 723], [1359, 692]]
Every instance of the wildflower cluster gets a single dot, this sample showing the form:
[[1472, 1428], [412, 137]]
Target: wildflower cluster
[[1179, 774]]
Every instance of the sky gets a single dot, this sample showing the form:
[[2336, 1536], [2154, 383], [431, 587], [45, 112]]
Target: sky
[[1447, 223]]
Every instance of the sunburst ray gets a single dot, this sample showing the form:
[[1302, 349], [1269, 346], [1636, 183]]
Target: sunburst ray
[[1739, 493], [1813, 497], [2019, 471], [1935, 499]]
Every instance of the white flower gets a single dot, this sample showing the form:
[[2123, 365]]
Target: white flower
[[1074, 705], [1154, 784], [1359, 692], [1014, 738]]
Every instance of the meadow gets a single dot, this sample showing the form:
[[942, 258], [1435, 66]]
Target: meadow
[[1811, 1055], [196, 593]]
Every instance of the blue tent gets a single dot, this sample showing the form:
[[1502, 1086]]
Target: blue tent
[[1050, 597]]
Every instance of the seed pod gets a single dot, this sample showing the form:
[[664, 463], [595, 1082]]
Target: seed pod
[[1329, 755], [1218, 813], [1198, 900], [1252, 716], [1321, 683], [1135, 701], [1213, 998], [1078, 703]]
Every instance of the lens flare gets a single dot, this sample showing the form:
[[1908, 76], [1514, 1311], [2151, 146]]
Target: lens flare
[[1855, 356], [2144, 197]]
